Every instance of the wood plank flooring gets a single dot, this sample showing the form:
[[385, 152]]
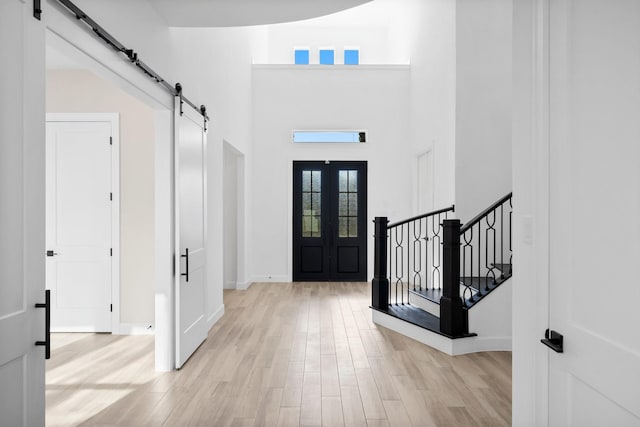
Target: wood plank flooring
[[283, 355]]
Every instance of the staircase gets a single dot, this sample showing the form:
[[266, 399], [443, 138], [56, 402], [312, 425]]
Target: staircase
[[441, 283]]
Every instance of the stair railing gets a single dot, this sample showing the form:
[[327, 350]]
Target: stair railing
[[407, 256], [431, 251], [486, 250]]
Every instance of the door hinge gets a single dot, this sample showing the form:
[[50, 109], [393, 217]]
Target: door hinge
[[111, 307], [37, 9], [110, 140], [111, 196], [110, 251]]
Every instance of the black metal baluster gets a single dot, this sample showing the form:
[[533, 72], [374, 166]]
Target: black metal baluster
[[399, 264], [426, 253], [510, 248], [417, 255], [408, 265], [489, 266], [502, 239], [479, 253], [435, 255], [467, 247]]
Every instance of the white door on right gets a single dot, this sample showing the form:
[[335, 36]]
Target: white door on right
[[190, 185], [595, 212]]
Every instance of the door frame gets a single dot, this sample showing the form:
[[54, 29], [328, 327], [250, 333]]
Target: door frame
[[114, 120], [64, 34], [531, 184], [240, 244]]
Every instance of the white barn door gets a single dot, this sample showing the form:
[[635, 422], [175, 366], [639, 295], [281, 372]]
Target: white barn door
[[594, 211], [22, 193], [190, 194]]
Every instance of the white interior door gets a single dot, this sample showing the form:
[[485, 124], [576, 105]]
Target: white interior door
[[79, 225], [190, 184], [21, 215], [594, 211]]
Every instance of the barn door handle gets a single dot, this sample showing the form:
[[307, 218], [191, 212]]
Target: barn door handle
[[47, 324], [553, 340], [186, 256]]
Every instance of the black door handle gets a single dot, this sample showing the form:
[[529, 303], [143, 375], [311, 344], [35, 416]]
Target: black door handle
[[47, 324], [186, 255], [553, 340], [51, 253]]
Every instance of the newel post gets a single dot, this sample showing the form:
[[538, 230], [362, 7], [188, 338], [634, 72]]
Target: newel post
[[453, 318], [380, 283]]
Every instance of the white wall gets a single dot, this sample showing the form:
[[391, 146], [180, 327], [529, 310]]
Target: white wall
[[80, 91], [287, 98], [425, 32], [483, 104], [419, 32], [371, 40], [215, 64], [137, 25]]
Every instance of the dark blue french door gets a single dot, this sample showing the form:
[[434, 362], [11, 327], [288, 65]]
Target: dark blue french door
[[329, 221]]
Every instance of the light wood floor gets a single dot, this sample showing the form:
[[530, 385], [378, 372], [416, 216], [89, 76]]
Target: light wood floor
[[283, 354]]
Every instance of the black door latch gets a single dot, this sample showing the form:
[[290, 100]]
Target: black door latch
[[553, 340]]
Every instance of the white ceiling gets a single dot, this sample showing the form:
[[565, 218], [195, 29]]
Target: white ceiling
[[230, 13]]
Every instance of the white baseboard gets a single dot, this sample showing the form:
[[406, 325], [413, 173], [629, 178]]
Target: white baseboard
[[265, 278], [439, 342], [230, 285], [78, 329], [478, 344], [244, 285], [217, 315], [136, 329]]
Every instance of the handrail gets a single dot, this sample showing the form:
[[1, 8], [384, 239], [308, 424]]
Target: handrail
[[415, 218], [484, 213]]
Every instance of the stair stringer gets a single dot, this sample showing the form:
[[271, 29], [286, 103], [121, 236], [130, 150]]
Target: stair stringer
[[432, 339], [491, 319]]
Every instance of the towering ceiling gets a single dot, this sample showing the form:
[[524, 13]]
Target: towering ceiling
[[229, 13]]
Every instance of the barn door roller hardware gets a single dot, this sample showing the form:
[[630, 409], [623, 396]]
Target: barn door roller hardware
[[131, 55], [37, 9]]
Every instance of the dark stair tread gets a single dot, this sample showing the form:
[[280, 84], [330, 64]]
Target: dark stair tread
[[504, 267], [418, 317], [481, 286], [477, 283], [432, 295]]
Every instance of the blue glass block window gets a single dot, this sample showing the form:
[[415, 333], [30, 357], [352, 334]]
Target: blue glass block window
[[351, 57], [326, 56], [301, 56]]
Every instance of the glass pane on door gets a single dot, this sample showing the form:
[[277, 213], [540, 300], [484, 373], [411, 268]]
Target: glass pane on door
[[348, 203], [311, 203]]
